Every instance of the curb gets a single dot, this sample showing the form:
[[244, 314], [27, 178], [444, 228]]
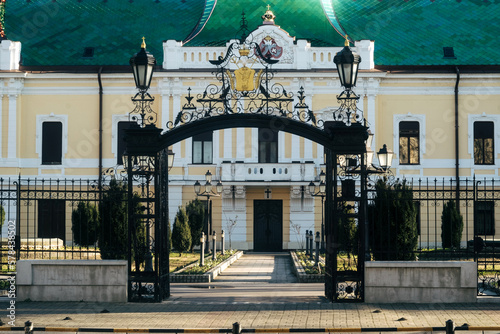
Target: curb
[[178, 277], [251, 330]]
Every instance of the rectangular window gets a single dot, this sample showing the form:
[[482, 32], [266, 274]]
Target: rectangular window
[[51, 143], [483, 143], [268, 146], [51, 219], [121, 144], [409, 137], [203, 148], [484, 218]]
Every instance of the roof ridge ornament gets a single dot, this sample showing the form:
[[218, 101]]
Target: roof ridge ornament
[[269, 16]]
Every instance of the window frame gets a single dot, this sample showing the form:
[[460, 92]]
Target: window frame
[[478, 135], [204, 139], [52, 141], [264, 144], [120, 140], [406, 133], [40, 119]]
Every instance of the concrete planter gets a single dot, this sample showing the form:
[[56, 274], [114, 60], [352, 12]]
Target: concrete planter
[[72, 280], [300, 272], [178, 277], [420, 282]]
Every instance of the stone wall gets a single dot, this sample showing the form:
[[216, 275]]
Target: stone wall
[[420, 282], [72, 280]]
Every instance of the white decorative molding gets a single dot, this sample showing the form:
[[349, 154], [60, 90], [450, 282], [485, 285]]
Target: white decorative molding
[[234, 198], [275, 38], [300, 199], [470, 138], [13, 89], [115, 119], [40, 119], [10, 55], [409, 117], [365, 49]]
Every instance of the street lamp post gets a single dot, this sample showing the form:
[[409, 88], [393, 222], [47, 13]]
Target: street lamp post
[[143, 64], [320, 193], [208, 192]]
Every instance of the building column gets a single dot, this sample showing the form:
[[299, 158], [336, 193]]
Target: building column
[[176, 108], [14, 89], [165, 93], [240, 144], [371, 90], [12, 126]]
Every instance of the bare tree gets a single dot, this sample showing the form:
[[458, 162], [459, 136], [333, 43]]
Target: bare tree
[[230, 225]]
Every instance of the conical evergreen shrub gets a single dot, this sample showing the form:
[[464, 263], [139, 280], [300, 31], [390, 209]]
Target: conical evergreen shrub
[[181, 234], [452, 225]]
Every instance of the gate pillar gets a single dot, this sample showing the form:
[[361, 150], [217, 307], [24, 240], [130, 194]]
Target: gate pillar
[[345, 211], [147, 214]]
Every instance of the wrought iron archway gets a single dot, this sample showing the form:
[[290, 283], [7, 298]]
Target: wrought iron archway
[[246, 97]]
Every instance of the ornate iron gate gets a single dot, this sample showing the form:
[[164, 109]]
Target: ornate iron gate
[[346, 204]]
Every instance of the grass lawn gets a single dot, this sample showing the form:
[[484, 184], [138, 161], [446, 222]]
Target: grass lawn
[[177, 262]]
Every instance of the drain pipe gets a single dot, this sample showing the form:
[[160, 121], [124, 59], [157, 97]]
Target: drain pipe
[[457, 157], [100, 126]]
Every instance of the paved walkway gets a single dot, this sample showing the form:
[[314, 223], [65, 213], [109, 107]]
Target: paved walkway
[[255, 301], [260, 268]]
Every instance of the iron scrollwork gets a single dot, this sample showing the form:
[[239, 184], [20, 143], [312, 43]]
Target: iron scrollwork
[[245, 86]]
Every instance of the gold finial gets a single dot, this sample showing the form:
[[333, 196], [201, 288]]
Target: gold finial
[[143, 45], [269, 16], [346, 43]]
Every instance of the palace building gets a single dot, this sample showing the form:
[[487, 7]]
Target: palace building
[[429, 87]]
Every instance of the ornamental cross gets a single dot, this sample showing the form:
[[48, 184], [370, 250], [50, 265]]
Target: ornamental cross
[[268, 192]]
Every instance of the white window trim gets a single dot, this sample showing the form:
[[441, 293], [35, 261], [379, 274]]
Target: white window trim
[[421, 138], [40, 119], [496, 138], [114, 133]]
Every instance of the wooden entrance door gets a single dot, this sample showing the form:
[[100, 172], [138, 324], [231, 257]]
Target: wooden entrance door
[[268, 225]]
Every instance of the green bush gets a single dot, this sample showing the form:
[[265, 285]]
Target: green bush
[[394, 228], [347, 233], [113, 234], [85, 223], [195, 211], [181, 235], [452, 226]]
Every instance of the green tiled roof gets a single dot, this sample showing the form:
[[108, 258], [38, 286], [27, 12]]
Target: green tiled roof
[[406, 32], [414, 32], [303, 19], [56, 33]]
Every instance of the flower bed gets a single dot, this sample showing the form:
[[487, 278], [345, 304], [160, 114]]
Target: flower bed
[[305, 270], [195, 273]]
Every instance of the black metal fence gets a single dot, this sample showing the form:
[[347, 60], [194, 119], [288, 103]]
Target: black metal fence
[[55, 219], [46, 216], [429, 203]]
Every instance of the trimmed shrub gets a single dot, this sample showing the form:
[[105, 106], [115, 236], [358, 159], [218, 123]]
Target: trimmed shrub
[[195, 211], [85, 223], [452, 226], [348, 233], [181, 235], [394, 228], [113, 235]]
